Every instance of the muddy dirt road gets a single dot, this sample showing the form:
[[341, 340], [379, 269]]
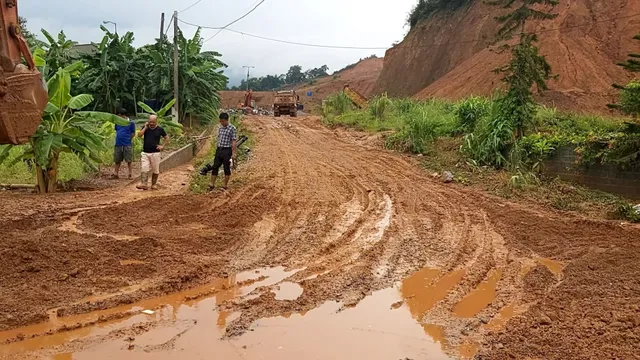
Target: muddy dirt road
[[323, 248]]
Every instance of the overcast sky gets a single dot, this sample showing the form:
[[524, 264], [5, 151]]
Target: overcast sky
[[330, 22]]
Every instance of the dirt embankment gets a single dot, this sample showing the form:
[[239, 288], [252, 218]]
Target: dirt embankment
[[231, 99], [361, 78], [595, 36]]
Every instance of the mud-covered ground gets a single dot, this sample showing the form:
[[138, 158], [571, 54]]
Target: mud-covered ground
[[479, 274]]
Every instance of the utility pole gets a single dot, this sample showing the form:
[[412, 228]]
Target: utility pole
[[248, 73], [176, 68], [161, 28]]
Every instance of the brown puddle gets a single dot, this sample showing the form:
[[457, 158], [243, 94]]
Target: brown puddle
[[554, 266], [479, 298], [288, 291], [167, 307], [468, 350], [421, 293], [504, 315], [194, 329]]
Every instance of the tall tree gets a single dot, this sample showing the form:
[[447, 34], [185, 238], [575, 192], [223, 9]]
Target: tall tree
[[633, 63], [295, 75], [200, 74], [527, 67], [59, 52], [32, 41], [114, 72], [630, 94]]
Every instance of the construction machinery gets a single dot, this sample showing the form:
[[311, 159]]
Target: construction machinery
[[23, 94], [356, 98], [285, 103]]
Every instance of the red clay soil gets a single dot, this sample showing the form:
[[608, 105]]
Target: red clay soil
[[231, 99], [583, 57], [351, 220], [361, 78]]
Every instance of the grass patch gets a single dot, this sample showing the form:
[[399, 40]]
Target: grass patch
[[69, 168], [520, 186], [472, 140]]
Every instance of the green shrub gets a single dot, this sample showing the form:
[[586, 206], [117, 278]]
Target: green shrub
[[487, 145], [336, 104], [421, 123], [626, 211], [469, 112], [425, 8], [380, 106]]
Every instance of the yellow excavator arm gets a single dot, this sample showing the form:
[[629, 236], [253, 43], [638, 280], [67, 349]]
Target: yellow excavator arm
[[23, 95], [356, 98]]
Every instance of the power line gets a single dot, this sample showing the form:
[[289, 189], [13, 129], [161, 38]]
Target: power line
[[190, 6], [399, 46], [236, 20]]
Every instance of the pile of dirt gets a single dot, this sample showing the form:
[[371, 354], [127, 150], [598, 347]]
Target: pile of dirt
[[361, 78], [439, 58]]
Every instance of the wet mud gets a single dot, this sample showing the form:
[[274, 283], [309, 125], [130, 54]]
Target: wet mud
[[315, 239]]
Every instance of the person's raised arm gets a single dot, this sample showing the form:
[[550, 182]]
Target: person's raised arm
[[143, 130]]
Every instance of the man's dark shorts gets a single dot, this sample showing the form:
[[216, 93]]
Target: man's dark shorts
[[223, 158], [122, 153]]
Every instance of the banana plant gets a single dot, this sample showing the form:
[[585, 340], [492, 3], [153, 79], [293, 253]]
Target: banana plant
[[64, 128], [58, 53], [164, 121]]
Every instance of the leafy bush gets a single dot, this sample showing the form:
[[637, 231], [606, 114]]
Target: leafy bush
[[626, 211], [336, 104], [469, 112], [420, 124], [487, 145], [380, 106], [425, 8]]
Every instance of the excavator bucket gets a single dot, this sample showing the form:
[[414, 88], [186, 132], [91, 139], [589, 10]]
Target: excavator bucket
[[23, 95], [356, 98]]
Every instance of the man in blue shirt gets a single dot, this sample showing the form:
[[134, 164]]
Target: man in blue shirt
[[123, 150]]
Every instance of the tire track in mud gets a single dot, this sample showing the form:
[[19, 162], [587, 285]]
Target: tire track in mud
[[383, 261]]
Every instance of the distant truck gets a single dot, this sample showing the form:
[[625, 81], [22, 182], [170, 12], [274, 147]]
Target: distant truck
[[285, 103]]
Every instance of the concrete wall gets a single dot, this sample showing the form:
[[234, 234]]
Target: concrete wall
[[605, 177], [183, 155]]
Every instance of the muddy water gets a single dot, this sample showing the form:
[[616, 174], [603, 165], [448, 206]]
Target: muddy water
[[181, 326], [169, 306], [478, 299], [288, 291], [554, 266], [503, 316], [421, 293]]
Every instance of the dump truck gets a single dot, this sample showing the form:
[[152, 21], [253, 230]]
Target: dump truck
[[23, 94], [285, 103]]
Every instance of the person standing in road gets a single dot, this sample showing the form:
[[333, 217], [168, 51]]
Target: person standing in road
[[151, 150], [123, 148], [226, 151]]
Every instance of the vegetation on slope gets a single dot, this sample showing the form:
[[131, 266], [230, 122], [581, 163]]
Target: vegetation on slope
[[425, 8], [471, 138]]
